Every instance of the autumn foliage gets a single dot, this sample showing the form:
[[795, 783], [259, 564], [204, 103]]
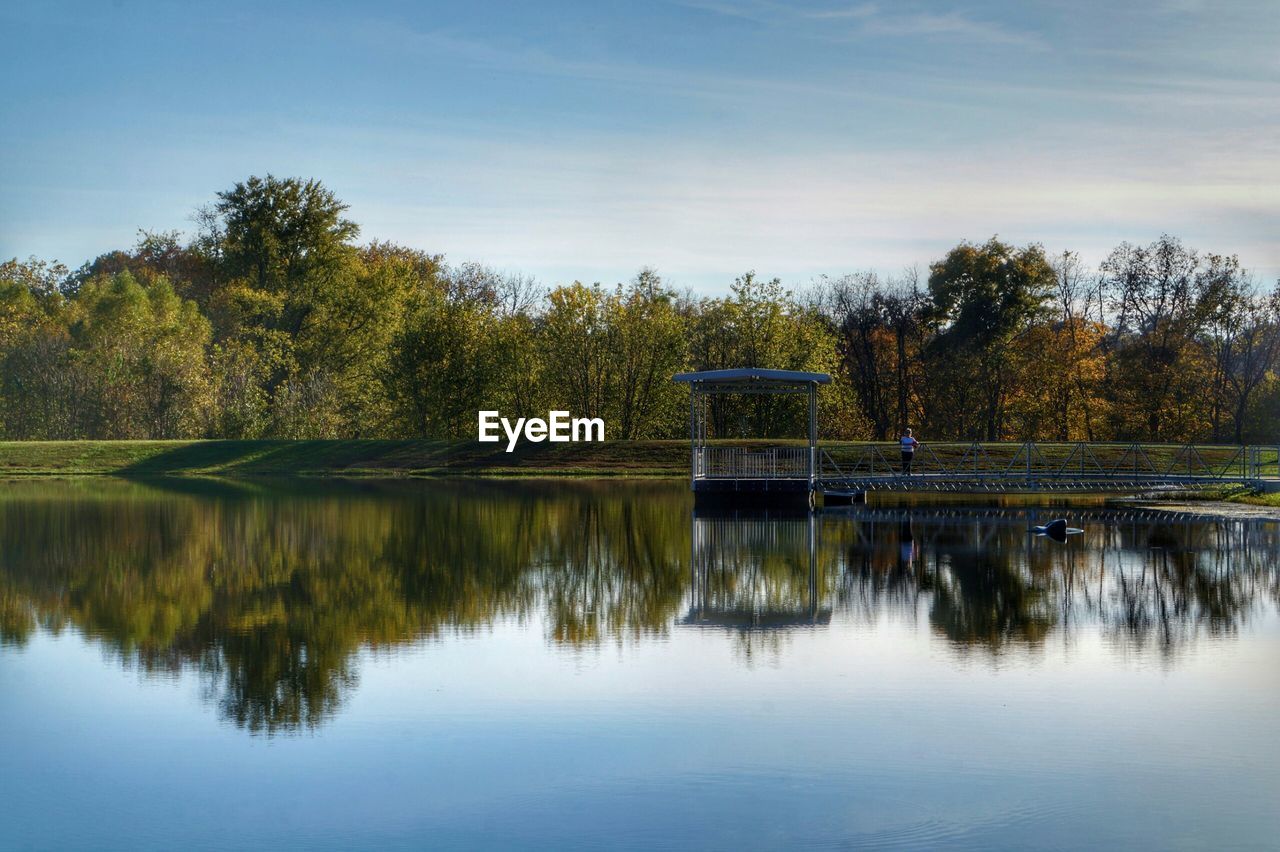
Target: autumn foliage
[[274, 320]]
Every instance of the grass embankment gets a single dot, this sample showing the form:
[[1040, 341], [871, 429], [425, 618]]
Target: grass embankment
[[631, 459], [1246, 496], [342, 458]]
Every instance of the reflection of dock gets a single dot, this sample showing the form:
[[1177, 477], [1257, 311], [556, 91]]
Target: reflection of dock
[[997, 514], [755, 573], [756, 619]]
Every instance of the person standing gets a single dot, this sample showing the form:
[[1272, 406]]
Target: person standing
[[909, 445]]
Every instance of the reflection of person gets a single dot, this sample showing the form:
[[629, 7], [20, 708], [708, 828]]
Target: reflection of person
[[906, 544], [909, 445]]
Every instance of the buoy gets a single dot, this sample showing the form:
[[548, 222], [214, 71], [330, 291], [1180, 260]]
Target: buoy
[[1054, 528], [1057, 530]]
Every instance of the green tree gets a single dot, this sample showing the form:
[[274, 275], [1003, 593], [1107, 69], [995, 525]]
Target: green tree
[[37, 386], [1160, 379], [648, 346], [577, 342], [142, 353], [984, 297], [290, 284], [761, 324], [446, 361]]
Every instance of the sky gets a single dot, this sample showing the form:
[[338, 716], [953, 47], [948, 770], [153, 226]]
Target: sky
[[585, 140]]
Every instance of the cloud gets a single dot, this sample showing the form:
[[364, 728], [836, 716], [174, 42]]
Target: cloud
[[951, 25], [860, 11], [564, 209], [869, 20]]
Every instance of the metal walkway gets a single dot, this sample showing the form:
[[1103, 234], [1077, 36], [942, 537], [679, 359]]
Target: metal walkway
[[1044, 467], [975, 467]]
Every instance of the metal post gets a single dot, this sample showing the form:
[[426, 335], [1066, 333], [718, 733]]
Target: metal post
[[697, 580], [693, 434], [813, 429], [813, 565]]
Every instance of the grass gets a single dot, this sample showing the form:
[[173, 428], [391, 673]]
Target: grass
[[341, 458], [1252, 498], [630, 459], [1234, 494]]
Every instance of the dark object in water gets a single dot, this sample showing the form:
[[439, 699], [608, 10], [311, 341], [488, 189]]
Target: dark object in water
[[1057, 530]]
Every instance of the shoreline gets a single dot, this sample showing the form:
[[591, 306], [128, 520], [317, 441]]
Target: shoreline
[[654, 460], [356, 458]]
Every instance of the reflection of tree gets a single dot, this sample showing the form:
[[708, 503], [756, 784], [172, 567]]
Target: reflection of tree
[[269, 595], [269, 592], [614, 568], [1177, 582], [17, 619], [989, 586], [978, 590], [981, 599]]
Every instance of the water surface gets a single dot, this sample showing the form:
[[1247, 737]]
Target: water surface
[[538, 665]]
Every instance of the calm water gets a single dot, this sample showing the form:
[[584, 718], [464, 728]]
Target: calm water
[[504, 665]]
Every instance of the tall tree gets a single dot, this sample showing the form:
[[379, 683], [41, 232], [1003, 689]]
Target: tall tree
[[577, 345], [1159, 376], [649, 346], [291, 286], [141, 350], [448, 359], [985, 296]]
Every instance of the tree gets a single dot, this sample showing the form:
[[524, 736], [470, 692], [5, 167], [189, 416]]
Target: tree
[[1159, 376], [34, 350], [304, 314], [648, 346], [577, 345], [879, 325], [1060, 363], [985, 296], [761, 324], [141, 351], [1243, 339], [446, 361]]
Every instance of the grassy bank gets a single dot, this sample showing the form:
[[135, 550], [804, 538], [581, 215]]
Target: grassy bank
[[1249, 497], [341, 458], [630, 459]]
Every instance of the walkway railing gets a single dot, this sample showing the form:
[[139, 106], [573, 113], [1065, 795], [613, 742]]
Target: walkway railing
[[1077, 463], [997, 465], [742, 463]]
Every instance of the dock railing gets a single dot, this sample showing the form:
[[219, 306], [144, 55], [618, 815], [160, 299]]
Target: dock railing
[[1032, 461], [751, 463]]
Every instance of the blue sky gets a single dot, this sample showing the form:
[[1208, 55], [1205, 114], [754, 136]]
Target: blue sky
[[585, 140]]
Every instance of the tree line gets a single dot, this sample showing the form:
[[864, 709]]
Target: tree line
[[273, 320]]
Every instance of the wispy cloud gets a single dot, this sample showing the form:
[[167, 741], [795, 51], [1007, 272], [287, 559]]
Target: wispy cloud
[[867, 20], [859, 12], [951, 25], [814, 135]]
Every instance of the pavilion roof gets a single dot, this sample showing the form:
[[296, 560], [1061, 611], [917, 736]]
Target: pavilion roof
[[752, 378]]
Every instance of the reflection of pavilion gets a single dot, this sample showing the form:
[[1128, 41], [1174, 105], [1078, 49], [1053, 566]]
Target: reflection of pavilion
[[757, 572]]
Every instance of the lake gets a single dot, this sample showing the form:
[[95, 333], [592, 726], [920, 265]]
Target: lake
[[506, 664]]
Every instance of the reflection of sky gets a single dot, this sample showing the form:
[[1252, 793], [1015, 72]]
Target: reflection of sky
[[879, 727], [582, 140], [874, 732]]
